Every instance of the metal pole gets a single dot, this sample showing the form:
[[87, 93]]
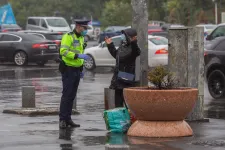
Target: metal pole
[[216, 13], [140, 23]]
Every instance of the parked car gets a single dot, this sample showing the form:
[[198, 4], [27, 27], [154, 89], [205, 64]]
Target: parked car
[[163, 34], [166, 27], [22, 48], [9, 28], [217, 32], [207, 28], [57, 24], [100, 56], [215, 67], [154, 28], [54, 36], [111, 31]]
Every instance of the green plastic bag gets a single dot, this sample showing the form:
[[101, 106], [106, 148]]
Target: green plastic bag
[[117, 120]]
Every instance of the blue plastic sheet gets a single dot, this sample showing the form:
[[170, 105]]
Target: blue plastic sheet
[[117, 120], [6, 15]]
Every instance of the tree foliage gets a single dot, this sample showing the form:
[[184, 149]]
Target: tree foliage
[[116, 12]]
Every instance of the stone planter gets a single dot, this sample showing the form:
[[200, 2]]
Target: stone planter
[[160, 113]]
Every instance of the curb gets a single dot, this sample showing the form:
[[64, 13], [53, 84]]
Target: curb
[[33, 112]]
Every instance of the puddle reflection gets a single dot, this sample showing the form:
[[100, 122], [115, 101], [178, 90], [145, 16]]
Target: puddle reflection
[[65, 134], [216, 109]]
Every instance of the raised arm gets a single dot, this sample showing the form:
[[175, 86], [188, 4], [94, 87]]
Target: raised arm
[[111, 47]]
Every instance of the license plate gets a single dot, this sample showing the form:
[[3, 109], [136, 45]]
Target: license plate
[[52, 47]]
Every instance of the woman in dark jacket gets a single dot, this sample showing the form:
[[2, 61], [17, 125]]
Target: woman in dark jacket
[[125, 57]]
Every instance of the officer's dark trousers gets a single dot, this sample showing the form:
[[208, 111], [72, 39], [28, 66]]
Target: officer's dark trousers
[[70, 80]]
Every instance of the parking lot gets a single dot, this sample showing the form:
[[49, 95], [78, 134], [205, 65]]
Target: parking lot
[[33, 133]]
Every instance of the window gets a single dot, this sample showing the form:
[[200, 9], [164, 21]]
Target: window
[[34, 21], [10, 38], [210, 27], [32, 37], [221, 46], [119, 28], [159, 40], [43, 23], [54, 36], [220, 31], [109, 29], [57, 22], [39, 35], [117, 41]]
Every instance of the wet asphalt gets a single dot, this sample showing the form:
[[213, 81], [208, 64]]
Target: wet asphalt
[[36, 133]]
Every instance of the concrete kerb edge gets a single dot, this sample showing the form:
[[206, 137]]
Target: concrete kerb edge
[[33, 112]]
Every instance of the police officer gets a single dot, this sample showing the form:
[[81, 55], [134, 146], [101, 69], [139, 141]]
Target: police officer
[[71, 67]]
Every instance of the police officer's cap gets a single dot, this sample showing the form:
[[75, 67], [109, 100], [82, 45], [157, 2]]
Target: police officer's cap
[[83, 23]]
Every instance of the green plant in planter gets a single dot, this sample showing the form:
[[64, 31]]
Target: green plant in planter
[[161, 78]]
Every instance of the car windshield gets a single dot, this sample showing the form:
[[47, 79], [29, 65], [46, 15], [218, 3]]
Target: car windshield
[[57, 22], [119, 28], [154, 27], [159, 40], [210, 27], [10, 26]]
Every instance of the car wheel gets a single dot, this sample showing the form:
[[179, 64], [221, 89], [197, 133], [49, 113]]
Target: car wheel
[[90, 63], [20, 58], [86, 38], [41, 63], [216, 84]]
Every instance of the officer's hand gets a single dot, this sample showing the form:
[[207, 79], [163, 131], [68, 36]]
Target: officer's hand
[[85, 45], [83, 56]]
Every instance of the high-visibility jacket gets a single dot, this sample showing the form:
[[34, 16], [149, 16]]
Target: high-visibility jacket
[[70, 46]]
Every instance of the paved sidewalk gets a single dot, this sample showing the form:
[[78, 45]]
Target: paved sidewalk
[[21, 133]]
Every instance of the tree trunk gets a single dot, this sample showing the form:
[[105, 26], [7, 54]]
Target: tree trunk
[[140, 23]]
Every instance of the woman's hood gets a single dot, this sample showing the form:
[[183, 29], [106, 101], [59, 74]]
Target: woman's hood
[[130, 32]]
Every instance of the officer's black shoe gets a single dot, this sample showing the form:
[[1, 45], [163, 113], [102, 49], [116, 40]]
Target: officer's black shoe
[[62, 124], [72, 124]]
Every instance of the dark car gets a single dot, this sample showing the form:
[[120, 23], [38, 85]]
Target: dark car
[[111, 31], [22, 48], [9, 28], [219, 31], [54, 36], [215, 67]]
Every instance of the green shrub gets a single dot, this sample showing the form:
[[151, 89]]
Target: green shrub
[[161, 78]]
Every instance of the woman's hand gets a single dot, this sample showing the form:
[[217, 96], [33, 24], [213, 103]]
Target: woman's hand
[[108, 40], [133, 39]]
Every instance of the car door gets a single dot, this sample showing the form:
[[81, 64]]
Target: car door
[[8, 44], [219, 52], [43, 25]]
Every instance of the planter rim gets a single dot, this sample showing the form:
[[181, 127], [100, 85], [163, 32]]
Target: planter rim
[[143, 89]]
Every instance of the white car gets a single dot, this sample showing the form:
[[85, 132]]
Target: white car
[[100, 56], [207, 27]]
